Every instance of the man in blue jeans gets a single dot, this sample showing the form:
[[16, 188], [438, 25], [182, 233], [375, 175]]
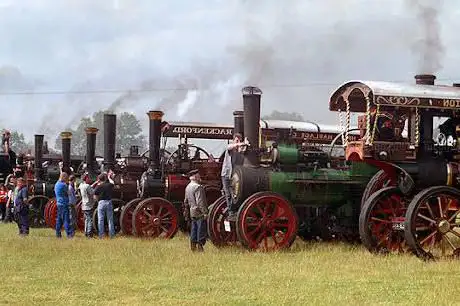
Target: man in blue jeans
[[61, 191], [195, 201], [103, 194]]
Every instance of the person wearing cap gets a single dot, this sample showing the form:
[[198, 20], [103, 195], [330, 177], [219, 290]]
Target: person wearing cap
[[21, 207], [103, 194], [232, 158], [195, 201]]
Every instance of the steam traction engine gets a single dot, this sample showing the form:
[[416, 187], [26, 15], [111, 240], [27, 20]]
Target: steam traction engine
[[161, 187], [419, 208], [286, 192]]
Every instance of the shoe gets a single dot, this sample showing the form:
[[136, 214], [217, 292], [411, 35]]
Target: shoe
[[193, 246], [199, 247]]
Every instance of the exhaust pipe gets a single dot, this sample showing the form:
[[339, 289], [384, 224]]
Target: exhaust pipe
[[238, 122], [91, 133], [66, 139], [38, 157], [110, 132], [251, 105], [155, 118]]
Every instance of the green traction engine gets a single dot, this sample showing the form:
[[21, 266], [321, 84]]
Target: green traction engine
[[284, 190]]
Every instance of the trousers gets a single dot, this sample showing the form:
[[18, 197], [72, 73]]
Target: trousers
[[199, 231], [88, 222], [72, 217], [105, 208], [62, 218], [228, 192], [3, 211], [23, 221]]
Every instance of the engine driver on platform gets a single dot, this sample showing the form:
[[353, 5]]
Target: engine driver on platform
[[232, 158], [6, 141]]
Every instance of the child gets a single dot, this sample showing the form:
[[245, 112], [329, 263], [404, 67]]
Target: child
[[21, 208]]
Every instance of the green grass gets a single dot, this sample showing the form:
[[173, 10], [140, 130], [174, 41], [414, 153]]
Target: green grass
[[40, 269]]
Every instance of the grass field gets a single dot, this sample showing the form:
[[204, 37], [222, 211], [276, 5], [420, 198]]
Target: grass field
[[40, 269]]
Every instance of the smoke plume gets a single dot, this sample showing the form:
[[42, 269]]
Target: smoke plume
[[429, 47]]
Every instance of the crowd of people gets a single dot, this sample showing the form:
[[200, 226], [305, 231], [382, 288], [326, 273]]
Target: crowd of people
[[98, 195]]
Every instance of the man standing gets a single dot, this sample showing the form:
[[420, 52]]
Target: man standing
[[72, 203], [61, 191], [6, 141], [232, 158], [103, 194], [87, 204], [21, 207], [195, 200]]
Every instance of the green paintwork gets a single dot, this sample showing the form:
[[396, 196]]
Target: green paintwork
[[288, 155], [322, 186]]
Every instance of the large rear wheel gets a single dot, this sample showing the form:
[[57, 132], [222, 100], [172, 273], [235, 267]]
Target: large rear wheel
[[432, 227]]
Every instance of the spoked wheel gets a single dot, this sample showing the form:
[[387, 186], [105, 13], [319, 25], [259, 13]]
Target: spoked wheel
[[126, 218], [37, 211], [80, 217], [380, 180], [216, 225], [266, 221], [117, 204], [52, 212], [432, 227], [155, 218], [381, 222]]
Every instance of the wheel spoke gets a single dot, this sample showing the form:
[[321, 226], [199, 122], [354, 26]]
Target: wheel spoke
[[428, 237], [454, 216], [381, 220], [449, 242], [426, 218], [429, 209]]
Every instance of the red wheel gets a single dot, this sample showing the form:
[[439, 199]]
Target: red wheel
[[47, 208], [432, 227], [380, 180], [381, 222], [80, 217], [126, 218], [266, 221], [155, 218], [117, 205], [53, 213], [216, 225]]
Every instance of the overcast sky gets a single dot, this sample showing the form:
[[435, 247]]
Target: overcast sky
[[296, 51]]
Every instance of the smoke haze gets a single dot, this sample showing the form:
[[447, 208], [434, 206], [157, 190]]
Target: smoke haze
[[191, 58]]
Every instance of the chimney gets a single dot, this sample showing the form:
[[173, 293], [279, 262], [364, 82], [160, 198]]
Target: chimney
[[238, 117], [251, 105], [66, 138], [134, 151], [155, 118], [425, 79], [456, 85], [110, 132], [38, 157], [91, 133], [45, 148]]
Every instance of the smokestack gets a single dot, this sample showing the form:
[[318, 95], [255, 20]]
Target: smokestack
[[251, 105], [110, 132], [155, 118], [66, 138], [91, 133], [425, 79], [38, 157], [45, 148], [134, 151], [238, 117]]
